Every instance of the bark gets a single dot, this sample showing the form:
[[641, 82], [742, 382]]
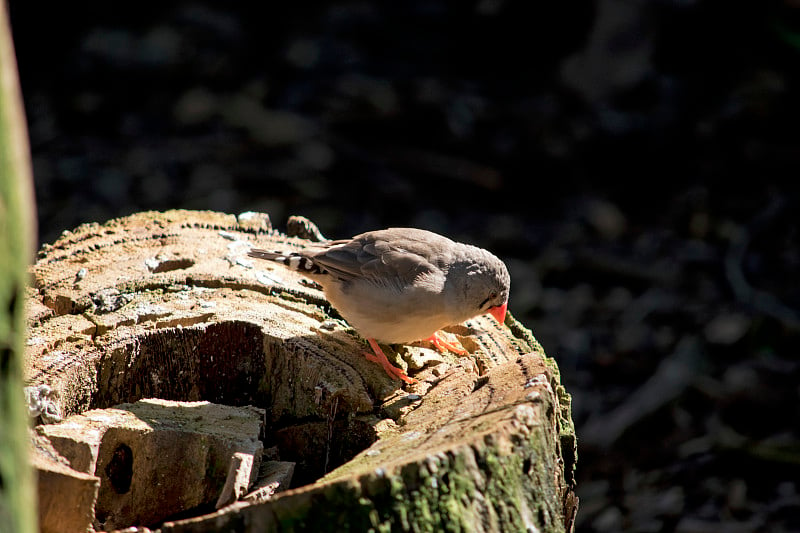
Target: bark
[[17, 503], [167, 305]]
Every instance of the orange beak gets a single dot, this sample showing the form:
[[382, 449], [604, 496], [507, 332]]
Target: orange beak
[[499, 312]]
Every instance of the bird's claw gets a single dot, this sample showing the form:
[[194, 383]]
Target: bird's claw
[[447, 341], [380, 357]]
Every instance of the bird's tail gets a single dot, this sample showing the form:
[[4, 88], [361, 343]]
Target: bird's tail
[[292, 260]]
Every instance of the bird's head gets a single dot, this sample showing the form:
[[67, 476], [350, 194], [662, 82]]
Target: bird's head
[[481, 286]]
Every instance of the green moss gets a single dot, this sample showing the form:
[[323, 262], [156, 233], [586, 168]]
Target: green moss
[[524, 335], [506, 483], [441, 493]]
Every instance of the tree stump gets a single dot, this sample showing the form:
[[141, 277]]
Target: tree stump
[[167, 305]]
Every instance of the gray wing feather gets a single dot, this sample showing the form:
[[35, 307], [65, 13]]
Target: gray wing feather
[[388, 257]]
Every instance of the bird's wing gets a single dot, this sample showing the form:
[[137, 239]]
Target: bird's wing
[[394, 257]]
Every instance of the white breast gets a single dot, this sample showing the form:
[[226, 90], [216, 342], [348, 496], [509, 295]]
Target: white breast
[[388, 316]]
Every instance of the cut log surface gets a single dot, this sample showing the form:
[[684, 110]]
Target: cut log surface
[[167, 305]]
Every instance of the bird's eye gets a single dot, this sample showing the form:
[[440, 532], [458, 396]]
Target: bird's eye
[[490, 298]]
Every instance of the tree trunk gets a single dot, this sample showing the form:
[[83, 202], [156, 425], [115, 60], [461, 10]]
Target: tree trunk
[[17, 230], [167, 305]]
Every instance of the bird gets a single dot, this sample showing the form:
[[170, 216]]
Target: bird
[[403, 285]]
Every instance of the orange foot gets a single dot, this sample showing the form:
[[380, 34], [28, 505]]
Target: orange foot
[[447, 341], [390, 369]]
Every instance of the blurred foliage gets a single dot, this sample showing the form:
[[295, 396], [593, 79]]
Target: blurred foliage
[[17, 489]]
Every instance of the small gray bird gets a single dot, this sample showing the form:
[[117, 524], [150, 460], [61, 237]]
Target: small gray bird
[[401, 285]]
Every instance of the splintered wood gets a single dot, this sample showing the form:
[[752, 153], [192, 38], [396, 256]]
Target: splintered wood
[[167, 305]]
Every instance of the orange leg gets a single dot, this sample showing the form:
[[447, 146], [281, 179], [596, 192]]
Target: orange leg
[[390, 369], [447, 341]]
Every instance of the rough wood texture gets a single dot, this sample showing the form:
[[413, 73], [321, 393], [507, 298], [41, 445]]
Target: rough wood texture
[[17, 230], [155, 458], [66, 496], [167, 305]]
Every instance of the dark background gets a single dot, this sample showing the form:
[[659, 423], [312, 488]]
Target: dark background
[[635, 163]]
